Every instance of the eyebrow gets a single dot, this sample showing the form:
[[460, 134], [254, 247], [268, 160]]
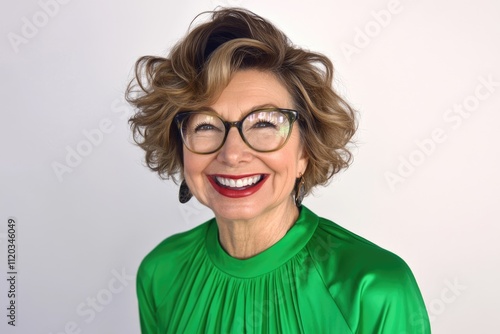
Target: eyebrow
[[254, 108]]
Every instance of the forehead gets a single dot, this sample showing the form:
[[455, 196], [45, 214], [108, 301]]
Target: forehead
[[249, 90]]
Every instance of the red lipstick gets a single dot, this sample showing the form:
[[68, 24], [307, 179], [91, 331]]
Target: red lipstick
[[236, 192]]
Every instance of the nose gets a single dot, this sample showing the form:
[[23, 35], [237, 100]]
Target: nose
[[234, 151]]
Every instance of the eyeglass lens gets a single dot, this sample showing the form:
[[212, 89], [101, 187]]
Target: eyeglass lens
[[262, 130]]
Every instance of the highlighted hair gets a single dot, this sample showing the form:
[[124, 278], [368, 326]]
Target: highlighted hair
[[201, 65]]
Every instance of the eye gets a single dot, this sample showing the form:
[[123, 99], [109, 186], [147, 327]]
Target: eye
[[205, 126], [203, 123], [268, 120], [260, 124]]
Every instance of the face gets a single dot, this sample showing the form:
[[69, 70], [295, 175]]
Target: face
[[236, 182]]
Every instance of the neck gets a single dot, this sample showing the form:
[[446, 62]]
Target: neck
[[243, 239]]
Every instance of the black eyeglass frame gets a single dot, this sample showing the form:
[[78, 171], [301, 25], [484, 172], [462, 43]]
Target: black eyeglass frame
[[291, 115]]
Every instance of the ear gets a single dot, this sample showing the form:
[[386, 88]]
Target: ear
[[303, 161]]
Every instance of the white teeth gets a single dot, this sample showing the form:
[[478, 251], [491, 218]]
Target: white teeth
[[244, 182]]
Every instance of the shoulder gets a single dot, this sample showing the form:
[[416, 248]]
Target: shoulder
[[352, 255], [169, 254], [348, 262], [365, 280]]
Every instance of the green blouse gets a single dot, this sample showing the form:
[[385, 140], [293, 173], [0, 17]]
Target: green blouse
[[319, 278]]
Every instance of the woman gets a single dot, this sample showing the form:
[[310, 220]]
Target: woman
[[250, 124]]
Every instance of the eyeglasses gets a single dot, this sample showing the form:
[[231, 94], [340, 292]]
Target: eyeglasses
[[263, 130]]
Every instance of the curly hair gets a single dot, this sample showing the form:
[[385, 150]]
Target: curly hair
[[201, 65]]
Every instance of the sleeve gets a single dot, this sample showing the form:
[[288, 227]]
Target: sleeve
[[147, 311], [391, 303]]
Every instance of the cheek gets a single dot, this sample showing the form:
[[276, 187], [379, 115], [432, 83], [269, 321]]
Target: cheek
[[296, 155], [287, 165], [193, 165], [302, 161]]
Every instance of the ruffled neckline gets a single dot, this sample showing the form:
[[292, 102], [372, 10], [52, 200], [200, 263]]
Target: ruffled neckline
[[268, 260]]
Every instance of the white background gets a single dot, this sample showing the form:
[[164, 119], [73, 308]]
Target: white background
[[64, 67]]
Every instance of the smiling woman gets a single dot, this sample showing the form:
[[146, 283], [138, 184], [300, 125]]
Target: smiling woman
[[247, 211], [250, 124]]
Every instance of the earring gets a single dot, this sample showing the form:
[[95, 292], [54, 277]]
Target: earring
[[299, 190], [184, 192]]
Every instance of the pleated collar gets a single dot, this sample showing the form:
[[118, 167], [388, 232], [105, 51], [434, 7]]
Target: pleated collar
[[272, 258]]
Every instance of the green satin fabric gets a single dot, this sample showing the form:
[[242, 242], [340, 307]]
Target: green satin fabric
[[319, 278]]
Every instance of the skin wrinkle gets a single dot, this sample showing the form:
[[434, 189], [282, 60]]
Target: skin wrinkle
[[318, 267], [249, 225]]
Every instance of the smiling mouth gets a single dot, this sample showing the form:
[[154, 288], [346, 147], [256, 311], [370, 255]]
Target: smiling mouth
[[237, 186], [241, 183]]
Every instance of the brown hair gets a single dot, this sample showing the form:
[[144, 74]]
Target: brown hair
[[200, 66]]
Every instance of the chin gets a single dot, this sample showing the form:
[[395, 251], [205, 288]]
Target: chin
[[232, 211], [244, 209]]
